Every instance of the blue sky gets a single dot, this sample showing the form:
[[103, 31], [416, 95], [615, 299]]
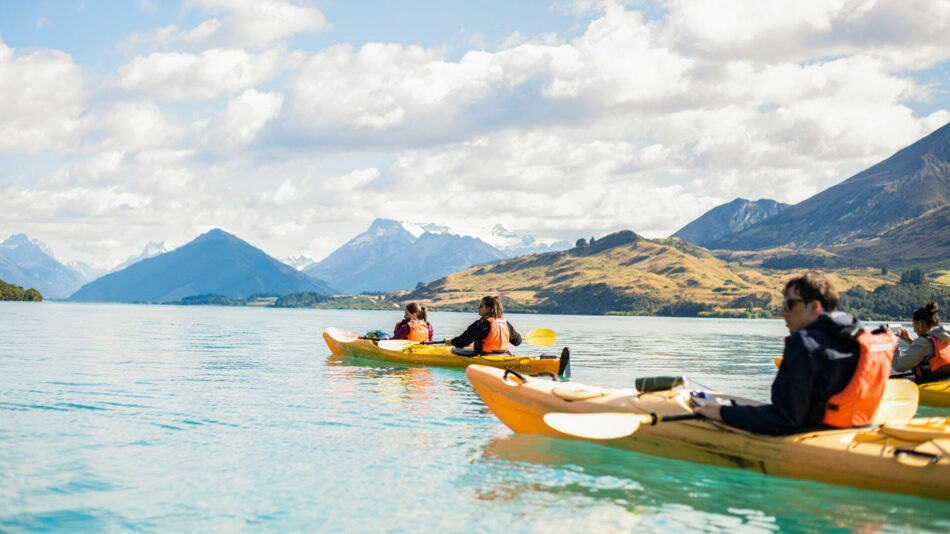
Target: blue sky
[[295, 123]]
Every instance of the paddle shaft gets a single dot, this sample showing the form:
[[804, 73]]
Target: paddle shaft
[[656, 418]]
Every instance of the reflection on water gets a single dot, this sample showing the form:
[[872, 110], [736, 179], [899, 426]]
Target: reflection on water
[[171, 418]]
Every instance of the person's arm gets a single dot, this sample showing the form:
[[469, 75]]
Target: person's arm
[[916, 354], [402, 331], [514, 337], [791, 394], [469, 336], [431, 332]]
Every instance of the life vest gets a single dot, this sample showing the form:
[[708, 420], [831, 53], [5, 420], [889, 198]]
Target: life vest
[[856, 404], [418, 330], [936, 364], [497, 338]]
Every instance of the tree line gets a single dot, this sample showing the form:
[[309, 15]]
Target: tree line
[[12, 292]]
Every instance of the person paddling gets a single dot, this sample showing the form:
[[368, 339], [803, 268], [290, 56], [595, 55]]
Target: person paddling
[[490, 334], [929, 355], [414, 325], [833, 373]]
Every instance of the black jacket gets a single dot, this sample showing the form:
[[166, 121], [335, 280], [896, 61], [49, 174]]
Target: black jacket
[[478, 331], [818, 362]]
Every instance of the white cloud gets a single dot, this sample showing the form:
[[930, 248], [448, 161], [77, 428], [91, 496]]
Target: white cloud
[[259, 23], [210, 74], [41, 101], [245, 116], [170, 35], [351, 181]]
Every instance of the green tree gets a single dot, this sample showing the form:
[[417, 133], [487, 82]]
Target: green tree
[[913, 276]]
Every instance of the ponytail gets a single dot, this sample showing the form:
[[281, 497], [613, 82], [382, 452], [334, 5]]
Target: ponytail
[[929, 314]]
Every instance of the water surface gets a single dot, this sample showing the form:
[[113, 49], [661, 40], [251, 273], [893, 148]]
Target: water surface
[[174, 418]]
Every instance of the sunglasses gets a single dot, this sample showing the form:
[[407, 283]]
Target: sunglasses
[[790, 302]]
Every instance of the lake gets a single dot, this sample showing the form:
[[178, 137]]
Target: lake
[[179, 418]]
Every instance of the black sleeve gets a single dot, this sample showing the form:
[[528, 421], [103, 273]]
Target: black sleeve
[[513, 336], [474, 332], [791, 392]]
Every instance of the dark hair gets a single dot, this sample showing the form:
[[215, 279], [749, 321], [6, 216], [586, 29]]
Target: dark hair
[[495, 310], [927, 314], [417, 310], [814, 286]]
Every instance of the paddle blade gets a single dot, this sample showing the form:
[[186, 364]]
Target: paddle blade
[[595, 425], [778, 361], [341, 335], [395, 344], [541, 337], [899, 403]]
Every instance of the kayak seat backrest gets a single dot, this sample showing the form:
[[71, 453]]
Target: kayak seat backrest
[[650, 384]]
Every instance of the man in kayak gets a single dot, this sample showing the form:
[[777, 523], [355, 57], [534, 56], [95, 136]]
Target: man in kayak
[[818, 362], [928, 355], [490, 334]]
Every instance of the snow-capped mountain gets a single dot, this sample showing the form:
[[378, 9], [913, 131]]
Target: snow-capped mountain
[[389, 257], [513, 244], [153, 248], [30, 263], [299, 262]]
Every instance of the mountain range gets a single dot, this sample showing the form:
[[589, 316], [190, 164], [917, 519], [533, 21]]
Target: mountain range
[[727, 219], [214, 263], [867, 206], [387, 257], [30, 263]]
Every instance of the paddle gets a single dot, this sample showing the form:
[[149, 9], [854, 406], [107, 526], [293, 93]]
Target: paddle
[[539, 337], [607, 425]]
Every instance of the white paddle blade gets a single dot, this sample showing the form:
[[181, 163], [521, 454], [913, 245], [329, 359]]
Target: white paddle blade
[[395, 344], [899, 403], [594, 425], [341, 335]]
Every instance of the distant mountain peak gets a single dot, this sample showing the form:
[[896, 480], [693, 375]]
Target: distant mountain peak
[[729, 218], [19, 240], [151, 249], [913, 181]]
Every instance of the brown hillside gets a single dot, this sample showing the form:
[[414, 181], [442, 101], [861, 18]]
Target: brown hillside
[[636, 275]]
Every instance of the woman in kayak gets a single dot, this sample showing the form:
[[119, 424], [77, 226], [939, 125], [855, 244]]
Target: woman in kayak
[[928, 355], [490, 334], [414, 325]]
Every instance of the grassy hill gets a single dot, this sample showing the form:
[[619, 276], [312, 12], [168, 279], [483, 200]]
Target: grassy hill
[[628, 274]]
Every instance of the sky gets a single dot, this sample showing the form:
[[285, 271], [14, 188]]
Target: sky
[[293, 124]]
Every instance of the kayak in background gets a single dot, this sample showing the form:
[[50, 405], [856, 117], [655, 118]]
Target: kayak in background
[[911, 456], [346, 343], [935, 393]]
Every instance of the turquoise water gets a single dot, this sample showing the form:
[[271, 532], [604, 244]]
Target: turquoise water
[[171, 418]]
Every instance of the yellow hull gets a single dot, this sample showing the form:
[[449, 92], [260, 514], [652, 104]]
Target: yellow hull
[[935, 393], [437, 356], [874, 458]]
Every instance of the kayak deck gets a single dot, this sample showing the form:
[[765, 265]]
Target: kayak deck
[[935, 393], [343, 343], [873, 457]]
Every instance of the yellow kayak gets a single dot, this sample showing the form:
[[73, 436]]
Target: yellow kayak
[[910, 456], [935, 393], [345, 343]]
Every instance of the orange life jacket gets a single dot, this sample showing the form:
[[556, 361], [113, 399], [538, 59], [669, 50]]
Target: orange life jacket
[[497, 338], [856, 404], [418, 330], [938, 362]]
